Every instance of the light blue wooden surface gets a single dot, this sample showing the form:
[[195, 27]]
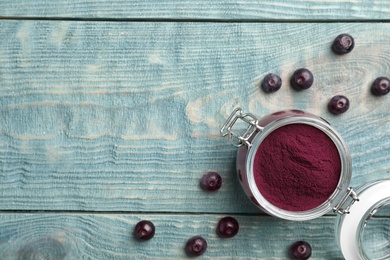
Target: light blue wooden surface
[[103, 236], [106, 123], [283, 10], [126, 116]]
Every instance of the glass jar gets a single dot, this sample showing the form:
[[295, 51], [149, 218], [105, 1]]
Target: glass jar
[[249, 143], [364, 233]]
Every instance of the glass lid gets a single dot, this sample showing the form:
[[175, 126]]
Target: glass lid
[[364, 233]]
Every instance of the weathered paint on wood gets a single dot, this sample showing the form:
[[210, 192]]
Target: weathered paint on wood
[[125, 116], [101, 236], [202, 9]]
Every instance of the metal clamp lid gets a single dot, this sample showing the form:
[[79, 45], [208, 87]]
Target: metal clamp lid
[[235, 138], [340, 207]]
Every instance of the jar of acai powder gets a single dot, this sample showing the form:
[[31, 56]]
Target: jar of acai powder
[[294, 165]]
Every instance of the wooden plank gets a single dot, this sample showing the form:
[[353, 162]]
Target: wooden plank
[[201, 9], [74, 236], [113, 116]]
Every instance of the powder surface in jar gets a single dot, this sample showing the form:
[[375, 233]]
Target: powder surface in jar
[[297, 167]]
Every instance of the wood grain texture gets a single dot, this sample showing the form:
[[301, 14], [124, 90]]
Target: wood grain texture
[[201, 9], [126, 116], [73, 236]]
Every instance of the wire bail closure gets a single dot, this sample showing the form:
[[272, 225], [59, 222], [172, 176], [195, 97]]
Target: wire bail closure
[[235, 138], [340, 207]]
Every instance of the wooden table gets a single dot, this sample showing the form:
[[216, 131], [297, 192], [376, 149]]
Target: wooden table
[[110, 113]]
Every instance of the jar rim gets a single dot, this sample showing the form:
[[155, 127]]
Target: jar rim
[[363, 227], [345, 173]]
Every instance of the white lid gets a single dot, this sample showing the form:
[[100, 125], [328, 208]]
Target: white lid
[[350, 225]]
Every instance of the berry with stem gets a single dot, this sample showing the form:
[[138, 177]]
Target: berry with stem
[[381, 86], [343, 44], [271, 83], [338, 104], [227, 227], [211, 181], [300, 250], [144, 230], [196, 246], [302, 79]]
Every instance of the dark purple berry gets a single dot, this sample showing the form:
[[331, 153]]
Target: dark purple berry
[[227, 227], [300, 250], [211, 181], [381, 86], [144, 230], [302, 79], [271, 83], [338, 104], [343, 44], [196, 246]]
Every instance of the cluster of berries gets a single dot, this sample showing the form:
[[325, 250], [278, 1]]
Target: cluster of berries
[[227, 227], [303, 78]]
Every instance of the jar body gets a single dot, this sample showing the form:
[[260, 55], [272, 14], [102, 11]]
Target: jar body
[[246, 157]]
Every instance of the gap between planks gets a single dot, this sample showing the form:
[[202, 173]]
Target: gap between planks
[[79, 212], [191, 20], [133, 213]]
